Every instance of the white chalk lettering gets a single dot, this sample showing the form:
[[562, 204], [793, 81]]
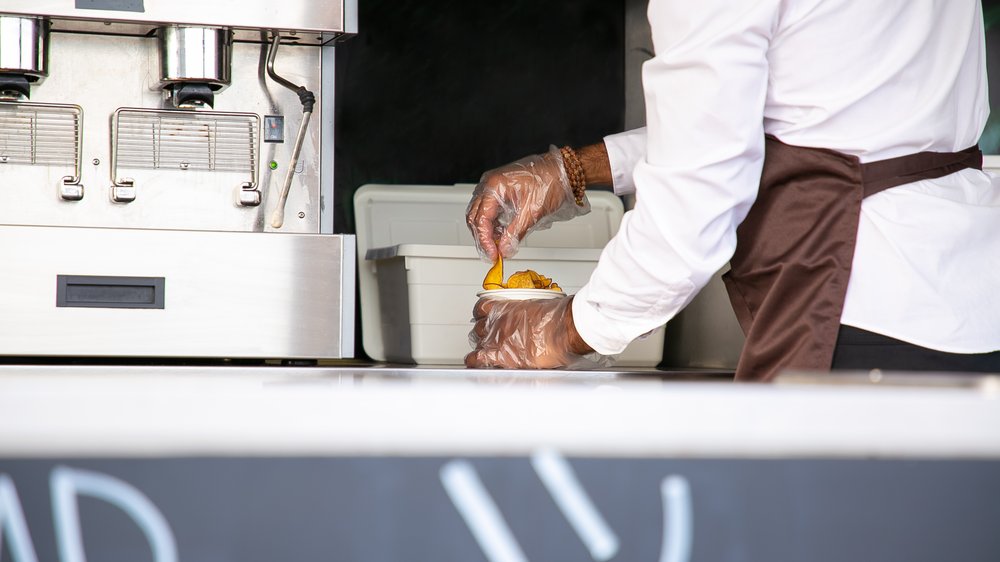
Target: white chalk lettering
[[68, 483], [12, 524], [678, 527], [559, 479], [480, 513]]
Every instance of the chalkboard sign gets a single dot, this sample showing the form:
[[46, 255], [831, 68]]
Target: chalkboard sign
[[544, 508]]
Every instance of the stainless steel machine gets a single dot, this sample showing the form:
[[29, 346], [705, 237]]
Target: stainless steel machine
[[166, 180]]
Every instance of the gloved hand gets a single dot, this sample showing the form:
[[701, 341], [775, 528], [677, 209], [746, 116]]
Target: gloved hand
[[518, 198], [529, 334]]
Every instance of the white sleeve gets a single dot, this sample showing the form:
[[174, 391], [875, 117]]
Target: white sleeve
[[705, 91], [625, 150]]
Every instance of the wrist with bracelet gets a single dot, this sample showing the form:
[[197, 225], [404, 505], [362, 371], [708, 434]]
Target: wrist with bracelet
[[574, 171]]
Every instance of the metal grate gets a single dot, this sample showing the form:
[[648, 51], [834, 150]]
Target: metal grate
[[182, 140], [40, 134]]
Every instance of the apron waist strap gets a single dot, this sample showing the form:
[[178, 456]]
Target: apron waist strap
[[884, 174]]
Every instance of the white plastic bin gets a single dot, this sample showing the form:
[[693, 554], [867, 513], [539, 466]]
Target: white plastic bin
[[419, 271]]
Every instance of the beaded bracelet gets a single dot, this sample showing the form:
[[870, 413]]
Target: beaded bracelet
[[574, 171]]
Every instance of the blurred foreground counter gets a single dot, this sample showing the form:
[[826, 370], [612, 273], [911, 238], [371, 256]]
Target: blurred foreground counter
[[384, 464]]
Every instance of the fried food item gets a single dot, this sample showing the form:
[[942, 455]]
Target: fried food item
[[494, 277], [527, 279], [522, 280]]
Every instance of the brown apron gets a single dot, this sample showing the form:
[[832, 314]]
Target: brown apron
[[788, 277]]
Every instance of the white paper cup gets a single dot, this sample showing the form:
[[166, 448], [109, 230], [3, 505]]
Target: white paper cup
[[521, 294]]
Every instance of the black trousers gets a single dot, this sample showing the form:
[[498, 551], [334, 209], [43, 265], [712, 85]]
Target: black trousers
[[861, 350]]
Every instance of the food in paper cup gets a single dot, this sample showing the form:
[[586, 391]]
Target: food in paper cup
[[527, 279]]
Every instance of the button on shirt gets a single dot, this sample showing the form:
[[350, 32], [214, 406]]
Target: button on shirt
[[872, 79]]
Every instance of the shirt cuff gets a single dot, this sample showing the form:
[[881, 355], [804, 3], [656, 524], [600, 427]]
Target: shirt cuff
[[625, 151], [607, 341]]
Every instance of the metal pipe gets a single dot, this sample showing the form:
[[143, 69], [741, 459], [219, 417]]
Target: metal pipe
[[308, 100], [272, 52], [278, 218]]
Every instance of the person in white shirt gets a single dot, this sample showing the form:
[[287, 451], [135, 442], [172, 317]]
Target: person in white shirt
[[826, 149]]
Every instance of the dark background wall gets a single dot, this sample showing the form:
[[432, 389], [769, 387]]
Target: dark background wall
[[990, 141], [439, 91]]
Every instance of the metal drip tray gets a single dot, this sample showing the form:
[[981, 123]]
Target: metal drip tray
[[185, 140], [40, 134]]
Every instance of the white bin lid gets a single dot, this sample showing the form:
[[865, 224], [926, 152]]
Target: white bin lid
[[394, 218], [469, 252]]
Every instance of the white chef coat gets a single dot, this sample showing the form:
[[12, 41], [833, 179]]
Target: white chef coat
[[872, 79]]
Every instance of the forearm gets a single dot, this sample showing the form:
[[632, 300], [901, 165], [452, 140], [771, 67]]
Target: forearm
[[596, 165]]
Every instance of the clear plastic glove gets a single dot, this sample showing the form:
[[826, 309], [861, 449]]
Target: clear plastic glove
[[519, 198], [529, 334]]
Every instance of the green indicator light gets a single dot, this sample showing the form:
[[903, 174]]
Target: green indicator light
[[273, 165]]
